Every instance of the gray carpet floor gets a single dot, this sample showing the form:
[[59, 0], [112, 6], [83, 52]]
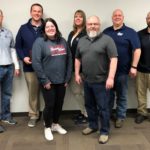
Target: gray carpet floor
[[20, 137]]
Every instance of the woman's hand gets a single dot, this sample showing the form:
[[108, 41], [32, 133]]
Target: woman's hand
[[47, 86]]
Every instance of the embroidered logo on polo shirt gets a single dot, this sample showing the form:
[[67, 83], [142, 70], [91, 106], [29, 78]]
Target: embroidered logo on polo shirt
[[120, 34]]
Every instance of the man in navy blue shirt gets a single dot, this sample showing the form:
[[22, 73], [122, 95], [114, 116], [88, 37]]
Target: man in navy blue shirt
[[128, 47], [143, 74], [25, 38]]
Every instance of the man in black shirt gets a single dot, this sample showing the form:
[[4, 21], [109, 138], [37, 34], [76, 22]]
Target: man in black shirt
[[143, 75]]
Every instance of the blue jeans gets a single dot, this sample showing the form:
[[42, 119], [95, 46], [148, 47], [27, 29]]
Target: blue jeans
[[6, 79], [120, 92], [96, 104]]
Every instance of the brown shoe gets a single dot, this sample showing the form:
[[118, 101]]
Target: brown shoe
[[119, 123], [88, 130], [103, 139]]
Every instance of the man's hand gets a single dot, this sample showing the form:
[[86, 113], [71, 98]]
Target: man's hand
[[109, 83], [17, 72], [27, 60], [78, 79], [133, 72]]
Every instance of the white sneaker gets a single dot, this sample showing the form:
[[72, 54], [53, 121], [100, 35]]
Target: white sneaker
[[58, 128], [48, 134]]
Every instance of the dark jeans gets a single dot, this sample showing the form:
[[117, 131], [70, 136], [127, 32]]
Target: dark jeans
[[120, 92], [96, 103], [53, 99], [6, 79]]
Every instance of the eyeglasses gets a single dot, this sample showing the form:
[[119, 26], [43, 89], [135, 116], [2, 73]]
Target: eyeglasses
[[95, 24]]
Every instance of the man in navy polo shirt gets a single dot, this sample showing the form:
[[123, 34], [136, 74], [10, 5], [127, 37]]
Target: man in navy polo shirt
[[128, 47]]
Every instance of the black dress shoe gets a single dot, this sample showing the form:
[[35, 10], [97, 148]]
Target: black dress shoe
[[78, 116], [1, 129], [81, 120], [140, 118]]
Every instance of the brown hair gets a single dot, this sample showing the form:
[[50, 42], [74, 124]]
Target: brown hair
[[84, 20], [58, 34], [36, 4]]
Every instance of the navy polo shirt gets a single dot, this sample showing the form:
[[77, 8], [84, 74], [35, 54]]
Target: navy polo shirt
[[126, 40]]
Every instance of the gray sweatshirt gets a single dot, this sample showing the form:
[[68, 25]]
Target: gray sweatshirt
[[52, 61]]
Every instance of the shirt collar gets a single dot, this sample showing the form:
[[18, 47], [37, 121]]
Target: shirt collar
[[123, 27], [95, 38], [146, 30], [34, 25]]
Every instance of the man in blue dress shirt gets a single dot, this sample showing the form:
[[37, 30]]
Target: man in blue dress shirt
[[8, 57]]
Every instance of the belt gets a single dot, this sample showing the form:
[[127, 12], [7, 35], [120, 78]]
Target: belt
[[5, 65]]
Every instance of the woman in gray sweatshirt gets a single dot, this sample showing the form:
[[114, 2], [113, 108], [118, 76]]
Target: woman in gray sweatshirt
[[52, 62]]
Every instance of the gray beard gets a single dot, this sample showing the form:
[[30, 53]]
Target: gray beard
[[93, 34]]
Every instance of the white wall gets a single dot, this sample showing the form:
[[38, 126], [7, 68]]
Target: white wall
[[17, 12]]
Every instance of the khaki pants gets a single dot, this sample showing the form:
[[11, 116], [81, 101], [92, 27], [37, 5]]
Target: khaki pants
[[142, 85], [34, 92], [78, 93]]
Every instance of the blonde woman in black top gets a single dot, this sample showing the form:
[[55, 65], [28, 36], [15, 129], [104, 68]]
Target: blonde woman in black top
[[79, 31]]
